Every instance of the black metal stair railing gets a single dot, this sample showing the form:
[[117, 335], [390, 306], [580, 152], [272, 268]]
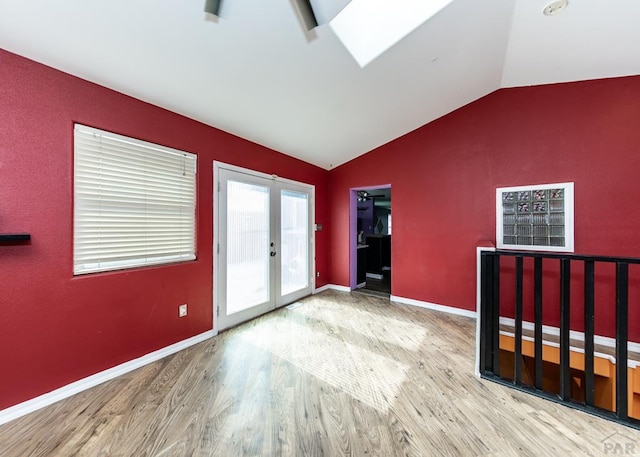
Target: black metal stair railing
[[490, 352]]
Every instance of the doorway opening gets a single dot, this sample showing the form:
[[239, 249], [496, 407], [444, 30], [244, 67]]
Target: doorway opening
[[370, 240]]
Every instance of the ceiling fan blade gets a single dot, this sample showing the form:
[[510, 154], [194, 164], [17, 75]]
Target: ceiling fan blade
[[212, 6], [307, 14]]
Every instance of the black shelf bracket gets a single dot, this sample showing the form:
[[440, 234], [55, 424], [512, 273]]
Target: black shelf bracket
[[14, 238]]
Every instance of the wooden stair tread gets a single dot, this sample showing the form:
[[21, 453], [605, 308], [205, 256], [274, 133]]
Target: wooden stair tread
[[600, 350]]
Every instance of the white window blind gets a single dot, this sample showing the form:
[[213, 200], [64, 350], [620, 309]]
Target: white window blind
[[134, 202]]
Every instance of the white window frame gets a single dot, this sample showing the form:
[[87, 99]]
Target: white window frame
[[134, 202], [568, 246]]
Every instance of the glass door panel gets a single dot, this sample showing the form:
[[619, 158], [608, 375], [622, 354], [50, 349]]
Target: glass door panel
[[245, 265], [294, 241], [247, 246]]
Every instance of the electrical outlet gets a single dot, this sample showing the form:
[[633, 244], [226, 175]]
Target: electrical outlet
[[317, 274], [182, 310]]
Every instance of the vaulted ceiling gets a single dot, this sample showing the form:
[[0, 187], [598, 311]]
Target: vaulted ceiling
[[257, 73]]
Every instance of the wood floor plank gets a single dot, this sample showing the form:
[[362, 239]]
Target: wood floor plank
[[342, 374]]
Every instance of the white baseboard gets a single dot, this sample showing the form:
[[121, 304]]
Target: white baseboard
[[434, 306], [332, 287], [408, 301], [374, 276], [29, 406]]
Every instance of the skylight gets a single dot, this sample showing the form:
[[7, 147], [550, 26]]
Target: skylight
[[368, 28]]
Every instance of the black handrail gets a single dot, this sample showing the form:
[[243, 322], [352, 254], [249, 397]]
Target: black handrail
[[490, 352], [560, 255]]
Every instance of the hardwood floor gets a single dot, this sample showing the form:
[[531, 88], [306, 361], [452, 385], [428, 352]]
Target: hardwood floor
[[342, 374]]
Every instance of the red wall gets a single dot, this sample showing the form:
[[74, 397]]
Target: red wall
[[54, 328], [444, 176]]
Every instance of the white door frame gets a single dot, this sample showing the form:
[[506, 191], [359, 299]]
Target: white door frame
[[216, 220], [353, 231]]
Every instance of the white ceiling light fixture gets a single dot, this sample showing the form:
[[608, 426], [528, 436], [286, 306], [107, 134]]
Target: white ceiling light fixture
[[554, 8]]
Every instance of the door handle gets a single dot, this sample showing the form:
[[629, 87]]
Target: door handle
[[273, 253]]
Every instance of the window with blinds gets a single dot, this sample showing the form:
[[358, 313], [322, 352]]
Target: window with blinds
[[134, 202]]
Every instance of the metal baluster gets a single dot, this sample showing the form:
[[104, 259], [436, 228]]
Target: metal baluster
[[495, 314], [565, 315], [589, 387], [622, 314], [537, 299], [517, 365], [486, 330]]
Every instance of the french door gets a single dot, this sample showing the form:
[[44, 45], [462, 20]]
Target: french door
[[264, 248]]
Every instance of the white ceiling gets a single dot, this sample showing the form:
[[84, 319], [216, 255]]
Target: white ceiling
[[255, 72]]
